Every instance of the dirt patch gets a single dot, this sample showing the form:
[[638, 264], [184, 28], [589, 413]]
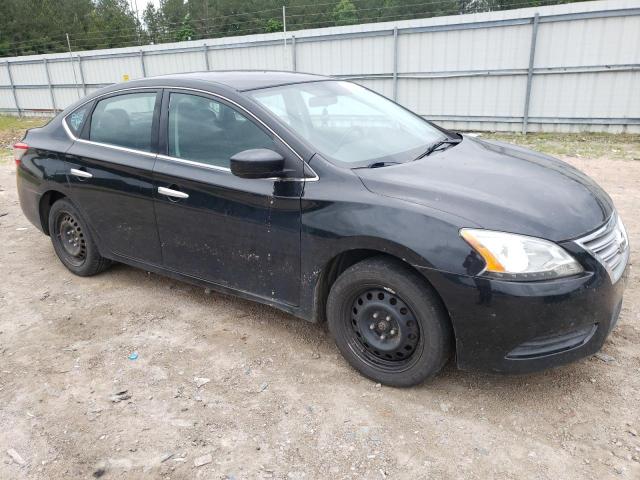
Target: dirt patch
[[279, 402]]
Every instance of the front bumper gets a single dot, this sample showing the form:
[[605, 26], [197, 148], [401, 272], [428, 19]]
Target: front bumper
[[520, 327]]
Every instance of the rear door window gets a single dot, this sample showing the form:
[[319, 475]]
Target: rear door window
[[124, 120], [210, 132]]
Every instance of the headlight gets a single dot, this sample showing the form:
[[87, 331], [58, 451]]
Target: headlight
[[518, 257]]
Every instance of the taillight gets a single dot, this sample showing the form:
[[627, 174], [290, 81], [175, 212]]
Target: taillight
[[19, 149]]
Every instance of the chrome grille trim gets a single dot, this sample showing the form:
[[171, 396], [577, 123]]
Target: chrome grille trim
[[610, 246]]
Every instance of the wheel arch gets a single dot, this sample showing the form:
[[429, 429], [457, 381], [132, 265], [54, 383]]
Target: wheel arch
[[345, 259], [46, 202]]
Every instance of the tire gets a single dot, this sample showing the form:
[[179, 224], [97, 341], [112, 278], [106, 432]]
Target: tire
[[389, 323], [72, 240]]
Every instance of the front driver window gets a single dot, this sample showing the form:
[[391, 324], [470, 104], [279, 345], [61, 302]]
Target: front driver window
[[210, 132]]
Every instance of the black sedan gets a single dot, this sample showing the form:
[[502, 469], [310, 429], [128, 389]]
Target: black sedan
[[326, 200]]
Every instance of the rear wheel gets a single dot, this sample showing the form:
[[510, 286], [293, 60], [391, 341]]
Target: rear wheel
[[388, 323], [72, 240]]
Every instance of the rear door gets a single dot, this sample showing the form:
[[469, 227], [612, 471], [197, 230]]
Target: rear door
[[240, 233], [110, 173]]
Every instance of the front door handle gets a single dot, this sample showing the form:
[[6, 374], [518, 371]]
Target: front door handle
[[172, 193], [80, 173]]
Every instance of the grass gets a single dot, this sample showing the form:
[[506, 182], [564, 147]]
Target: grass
[[585, 145], [9, 122], [12, 130], [581, 145]]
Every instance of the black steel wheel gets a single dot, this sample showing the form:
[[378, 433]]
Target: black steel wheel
[[384, 330], [70, 235], [388, 322], [72, 241]]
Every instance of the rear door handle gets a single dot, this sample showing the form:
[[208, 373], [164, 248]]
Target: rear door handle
[[80, 173], [172, 193]]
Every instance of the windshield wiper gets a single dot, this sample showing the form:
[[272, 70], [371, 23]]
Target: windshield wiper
[[435, 146], [381, 164]]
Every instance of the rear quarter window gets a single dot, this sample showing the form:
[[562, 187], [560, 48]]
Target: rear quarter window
[[75, 120]]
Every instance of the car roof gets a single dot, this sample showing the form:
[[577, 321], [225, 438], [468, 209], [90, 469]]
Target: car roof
[[238, 80], [242, 80]]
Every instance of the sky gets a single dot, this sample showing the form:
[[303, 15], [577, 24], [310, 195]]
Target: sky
[[142, 4]]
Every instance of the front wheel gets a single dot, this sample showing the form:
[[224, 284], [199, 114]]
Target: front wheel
[[389, 323], [72, 240]]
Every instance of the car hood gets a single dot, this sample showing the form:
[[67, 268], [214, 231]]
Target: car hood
[[499, 187]]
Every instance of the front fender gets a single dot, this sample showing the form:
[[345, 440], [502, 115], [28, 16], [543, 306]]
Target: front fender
[[423, 237]]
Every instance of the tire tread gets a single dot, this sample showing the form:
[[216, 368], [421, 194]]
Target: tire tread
[[410, 286], [95, 263]]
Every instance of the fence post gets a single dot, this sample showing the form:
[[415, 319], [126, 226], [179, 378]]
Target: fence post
[[205, 50], [84, 85], [293, 53], [395, 64], [532, 56], [13, 89], [53, 98], [144, 70]]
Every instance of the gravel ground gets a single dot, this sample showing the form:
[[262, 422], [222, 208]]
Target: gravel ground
[[225, 388]]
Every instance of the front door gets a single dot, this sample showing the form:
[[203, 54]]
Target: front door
[[239, 233], [109, 171]]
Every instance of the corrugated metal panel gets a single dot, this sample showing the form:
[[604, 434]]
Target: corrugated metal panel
[[4, 76], [273, 57], [66, 96], [353, 56], [6, 100], [109, 70], [596, 41], [31, 73], [476, 96], [34, 98], [62, 72], [383, 87], [478, 49], [174, 63], [587, 95], [467, 71]]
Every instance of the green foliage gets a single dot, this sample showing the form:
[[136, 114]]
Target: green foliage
[[39, 26], [186, 31], [345, 13], [154, 22], [273, 25], [115, 17]]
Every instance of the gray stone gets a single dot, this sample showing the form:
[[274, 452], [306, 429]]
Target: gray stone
[[201, 381], [15, 456], [203, 460]]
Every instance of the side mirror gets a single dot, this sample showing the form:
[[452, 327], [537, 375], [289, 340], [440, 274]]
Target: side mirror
[[257, 163]]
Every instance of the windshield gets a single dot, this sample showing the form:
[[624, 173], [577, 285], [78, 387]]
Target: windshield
[[349, 124]]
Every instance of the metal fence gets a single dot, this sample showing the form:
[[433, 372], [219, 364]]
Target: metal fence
[[571, 67]]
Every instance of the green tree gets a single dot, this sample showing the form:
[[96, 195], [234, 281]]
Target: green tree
[[112, 24], [154, 23], [39, 26], [186, 31], [345, 13], [273, 25]]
